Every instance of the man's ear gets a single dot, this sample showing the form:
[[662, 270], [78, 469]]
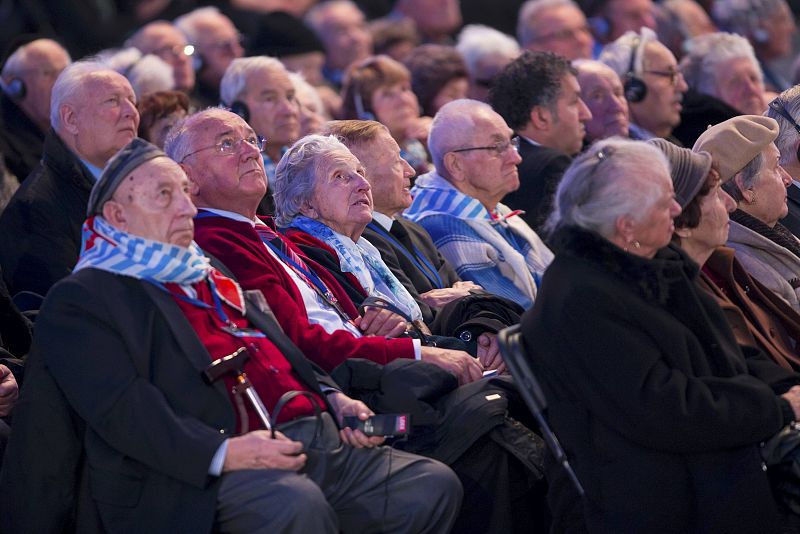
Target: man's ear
[[194, 187], [114, 213], [452, 165], [541, 117], [69, 119]]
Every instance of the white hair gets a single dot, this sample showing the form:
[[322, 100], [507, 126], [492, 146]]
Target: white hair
[[305, 92], [235, 79], [18, 60], [528, 12], [612, 179], [477, 41], [707, 52], [69, 85], [617, 55], [189, 24], [146, 73], [452, 122], [743, 16], [788, 136]]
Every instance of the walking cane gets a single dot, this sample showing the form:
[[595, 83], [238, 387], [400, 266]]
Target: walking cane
[[233, 364]]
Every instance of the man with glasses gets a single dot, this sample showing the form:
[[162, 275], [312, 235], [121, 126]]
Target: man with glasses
[[163, 39], [459, 203], [260, 91], [216, 43], [557, 26], [27, 80], [539, 97], [654, 86]]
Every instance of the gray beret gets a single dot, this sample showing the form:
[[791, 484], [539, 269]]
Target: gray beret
[[688, 169], [118, 167]]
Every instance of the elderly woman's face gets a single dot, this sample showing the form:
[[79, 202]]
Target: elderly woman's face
[[655, 230], [739, 85], [395, 106], [342, 198], [712, 230], [766, 200]]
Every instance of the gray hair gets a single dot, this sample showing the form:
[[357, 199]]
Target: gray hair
[[146, 73], [180, 140], [743, 16], [305, 92], [452, 122], [787, 132], [189, 24], [617, 55], [528, 12], [18, 60], [297, 173], [69, 86], [477, 41], [316, 17], [608, 181], [749, 174], [235, 79], [707, 53]]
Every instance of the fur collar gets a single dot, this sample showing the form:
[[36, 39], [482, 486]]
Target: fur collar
[[649, 278]]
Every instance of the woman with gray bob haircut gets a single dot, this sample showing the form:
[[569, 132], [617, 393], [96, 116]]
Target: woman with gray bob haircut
[[613, 179], [646, 387]]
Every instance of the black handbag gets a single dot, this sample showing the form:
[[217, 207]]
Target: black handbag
[[781, 455]]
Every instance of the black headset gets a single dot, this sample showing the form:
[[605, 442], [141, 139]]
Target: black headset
[[15, 89], [634, 87], [779, 107]]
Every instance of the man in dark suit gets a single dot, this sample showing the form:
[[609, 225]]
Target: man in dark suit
[[786, 110], [123, 353], [538, 96]]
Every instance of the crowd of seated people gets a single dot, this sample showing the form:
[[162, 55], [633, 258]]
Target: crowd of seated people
[[232, 234]]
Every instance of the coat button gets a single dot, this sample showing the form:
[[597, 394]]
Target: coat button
[[221, 430], [763, 467]]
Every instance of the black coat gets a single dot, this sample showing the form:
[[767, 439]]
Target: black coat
[[539, 173], [409, 274], [649, 394], [699, 112], [115, 419], [792, 220], [21, 141], [40, 229]]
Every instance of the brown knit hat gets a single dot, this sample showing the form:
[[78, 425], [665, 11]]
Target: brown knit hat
[[734, 143], [688, 169]]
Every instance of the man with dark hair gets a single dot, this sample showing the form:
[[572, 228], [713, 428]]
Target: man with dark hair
[[539, 97]]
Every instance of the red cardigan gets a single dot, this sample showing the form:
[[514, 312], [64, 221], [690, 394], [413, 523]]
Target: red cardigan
[[237, 245]]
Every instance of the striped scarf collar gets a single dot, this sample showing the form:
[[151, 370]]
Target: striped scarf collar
[[364, 261], [434, 195], [109, 249]]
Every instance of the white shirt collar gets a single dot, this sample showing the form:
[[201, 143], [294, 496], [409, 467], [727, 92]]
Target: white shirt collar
[[234, 216], [383, 220]]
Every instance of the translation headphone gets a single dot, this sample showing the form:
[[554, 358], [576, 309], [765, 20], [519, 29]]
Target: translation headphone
[[779, 107], [600, 26], [634, 87], [197, 61], [240, 108], [15, 89]]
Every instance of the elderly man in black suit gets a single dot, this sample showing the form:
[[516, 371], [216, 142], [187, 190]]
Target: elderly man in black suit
[[786, 110], [538, 96], [119, 390]]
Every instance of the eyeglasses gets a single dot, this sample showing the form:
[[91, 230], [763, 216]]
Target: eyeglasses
[[174, 51], [229, 45], [498, 148], [561, 35], [230, 146], [673, 75]]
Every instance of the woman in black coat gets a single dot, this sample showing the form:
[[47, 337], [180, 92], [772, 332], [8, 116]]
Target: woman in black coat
[[647, 388]]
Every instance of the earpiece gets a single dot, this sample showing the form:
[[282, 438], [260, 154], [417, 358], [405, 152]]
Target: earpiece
[[358, 102], [197, 61], [15, 89], [241, 109], [779, 107], [634, 87], [600, 26], [761, 35]]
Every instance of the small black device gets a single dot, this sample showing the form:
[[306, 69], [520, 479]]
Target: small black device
[[634, 87], [387, 425]]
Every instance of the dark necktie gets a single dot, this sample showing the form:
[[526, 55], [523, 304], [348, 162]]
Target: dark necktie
[[401, 234]]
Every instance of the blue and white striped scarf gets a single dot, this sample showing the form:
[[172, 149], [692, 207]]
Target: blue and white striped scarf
[[364, 261], [109, 249]]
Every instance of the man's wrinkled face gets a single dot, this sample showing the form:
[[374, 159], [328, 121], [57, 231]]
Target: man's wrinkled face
[[345, 37], [740, 85], [153, 202], [44, 62], [168, 43], [387, 172], [274, 110], [562, 30], [218, 44], [602, 92], [660, 111]]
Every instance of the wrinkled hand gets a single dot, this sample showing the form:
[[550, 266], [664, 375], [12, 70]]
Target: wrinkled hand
[[380, 322], [793, 396], [489, 353], [436, 298], [9, 391], [466, 368], [344, 405], [257, 450], [466, 284], [419, 128]]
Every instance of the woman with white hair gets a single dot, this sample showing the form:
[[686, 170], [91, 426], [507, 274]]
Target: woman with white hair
[[724, 79], [646, 386]]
